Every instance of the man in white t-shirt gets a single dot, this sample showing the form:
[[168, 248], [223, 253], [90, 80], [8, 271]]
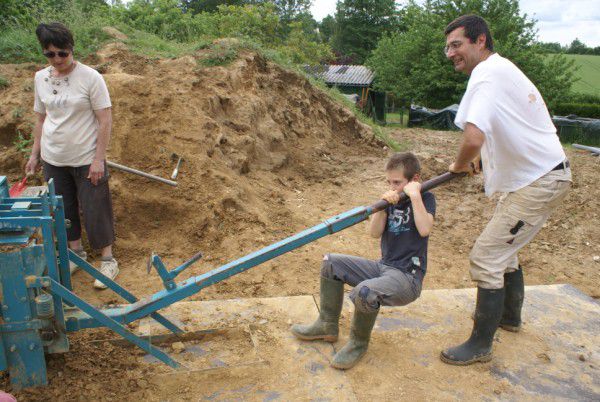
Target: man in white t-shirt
[[505, 119]]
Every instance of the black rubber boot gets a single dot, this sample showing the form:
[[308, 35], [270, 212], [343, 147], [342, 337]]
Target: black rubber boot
[[478, 348], [360, 334], [326, 327], [513, 300]]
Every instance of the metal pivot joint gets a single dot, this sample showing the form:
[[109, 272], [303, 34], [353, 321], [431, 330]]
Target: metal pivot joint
[[168, 277]]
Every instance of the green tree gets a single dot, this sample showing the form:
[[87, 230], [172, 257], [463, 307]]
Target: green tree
[[411, 63], [326, 28], [199, 6], [289, 10], [578, 47], [260, 23], [360, 24], [164, 18], [300, 49], [550, 47]]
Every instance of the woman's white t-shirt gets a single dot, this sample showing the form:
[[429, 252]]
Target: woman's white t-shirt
[[70, 130], [521, 144]]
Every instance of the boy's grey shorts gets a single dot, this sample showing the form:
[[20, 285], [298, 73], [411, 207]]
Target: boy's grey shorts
[[375, 284], [95, 203]]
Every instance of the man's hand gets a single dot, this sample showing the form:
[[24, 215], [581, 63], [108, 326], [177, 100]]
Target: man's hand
[[32, 165], [412, 189], [391, 196], [471, 169], [96, 171]]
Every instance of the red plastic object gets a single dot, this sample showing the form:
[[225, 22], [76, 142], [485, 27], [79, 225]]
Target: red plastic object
[[18, 188]]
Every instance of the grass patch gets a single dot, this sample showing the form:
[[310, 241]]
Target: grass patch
[[18, 45], [219, 54], [23, 143], [588, 74], [18, 113], [397, 119], [4, 82], [152, 46]]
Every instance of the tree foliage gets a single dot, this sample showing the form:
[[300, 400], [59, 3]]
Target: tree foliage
[[326, 28], [360, 24], [200, 6], [410, 62]]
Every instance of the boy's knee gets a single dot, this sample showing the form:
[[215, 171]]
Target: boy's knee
[[364, 299], [327, 267]]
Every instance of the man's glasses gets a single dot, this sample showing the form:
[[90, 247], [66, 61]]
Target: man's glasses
[[60, 53], [452, 46]]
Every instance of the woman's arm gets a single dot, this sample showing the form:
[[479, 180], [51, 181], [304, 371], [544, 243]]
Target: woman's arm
[[104, 117], [34, 158]]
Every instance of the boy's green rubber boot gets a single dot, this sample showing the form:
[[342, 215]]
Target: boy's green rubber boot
[[514, 288], [355, 349], [326, 327]]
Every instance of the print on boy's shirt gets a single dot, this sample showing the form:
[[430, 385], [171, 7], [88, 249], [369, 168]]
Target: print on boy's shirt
[[398, 220]]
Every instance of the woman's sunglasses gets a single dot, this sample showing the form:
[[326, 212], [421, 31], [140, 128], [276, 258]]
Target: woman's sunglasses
[[60, 53]]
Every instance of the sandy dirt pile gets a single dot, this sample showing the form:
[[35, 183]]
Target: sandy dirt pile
[[250, 134]]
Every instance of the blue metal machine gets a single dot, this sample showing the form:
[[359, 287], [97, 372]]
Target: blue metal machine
[[38, 306]]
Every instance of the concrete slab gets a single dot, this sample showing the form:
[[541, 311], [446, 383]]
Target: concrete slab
[[249, 354]]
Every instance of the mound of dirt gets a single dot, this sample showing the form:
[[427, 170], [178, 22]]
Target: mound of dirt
[[250, 134]]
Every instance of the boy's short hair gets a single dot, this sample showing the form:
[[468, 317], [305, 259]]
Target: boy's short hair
[[406, 161], [55, 34]]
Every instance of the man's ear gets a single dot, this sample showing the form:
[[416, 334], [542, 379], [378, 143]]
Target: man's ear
[[481, 40], [416, 177]]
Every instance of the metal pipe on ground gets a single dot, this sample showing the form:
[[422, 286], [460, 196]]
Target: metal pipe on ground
[[140, 173], [593, 150]]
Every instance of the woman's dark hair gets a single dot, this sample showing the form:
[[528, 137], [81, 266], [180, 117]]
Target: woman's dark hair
[[474, 26], [55, 34]]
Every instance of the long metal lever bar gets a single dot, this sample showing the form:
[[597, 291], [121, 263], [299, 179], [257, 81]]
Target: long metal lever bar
[[193, 285]]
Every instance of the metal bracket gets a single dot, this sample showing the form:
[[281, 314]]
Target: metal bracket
[[168, 277]]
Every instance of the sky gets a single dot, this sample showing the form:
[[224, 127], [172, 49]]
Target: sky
[[558, 20]]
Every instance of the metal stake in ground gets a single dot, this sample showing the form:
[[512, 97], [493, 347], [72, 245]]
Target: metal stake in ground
[[140, 173], [176, 170]]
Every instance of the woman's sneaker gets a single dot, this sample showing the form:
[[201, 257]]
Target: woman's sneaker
[[107, 268], [74, 267]]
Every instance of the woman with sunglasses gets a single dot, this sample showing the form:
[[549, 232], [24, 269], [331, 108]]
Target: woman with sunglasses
[[72, 131]]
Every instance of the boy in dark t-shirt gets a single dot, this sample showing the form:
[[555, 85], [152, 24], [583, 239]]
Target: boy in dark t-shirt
[[395, 280]]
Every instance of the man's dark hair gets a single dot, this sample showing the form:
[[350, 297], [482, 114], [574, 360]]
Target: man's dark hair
[[406, 161], [55, 34], [474, 26]]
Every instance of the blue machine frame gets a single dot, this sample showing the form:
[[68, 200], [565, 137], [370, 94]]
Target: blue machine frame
[[36, 282]]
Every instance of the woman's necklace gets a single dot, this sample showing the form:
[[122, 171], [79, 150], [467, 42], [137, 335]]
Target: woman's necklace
[[58, 81]]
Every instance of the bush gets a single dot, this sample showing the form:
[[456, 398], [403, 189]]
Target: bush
[[221, 53], [165, 19], [582, 98], [591, 110], [19, 44], [259, 22], [4, 83]]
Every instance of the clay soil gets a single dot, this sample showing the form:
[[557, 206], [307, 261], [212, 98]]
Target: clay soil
[[266, 155]]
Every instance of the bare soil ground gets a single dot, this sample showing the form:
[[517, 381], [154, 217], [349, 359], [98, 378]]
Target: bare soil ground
[[266, 155]]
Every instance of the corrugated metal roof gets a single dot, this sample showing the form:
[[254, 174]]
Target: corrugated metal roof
[[344, 75]]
